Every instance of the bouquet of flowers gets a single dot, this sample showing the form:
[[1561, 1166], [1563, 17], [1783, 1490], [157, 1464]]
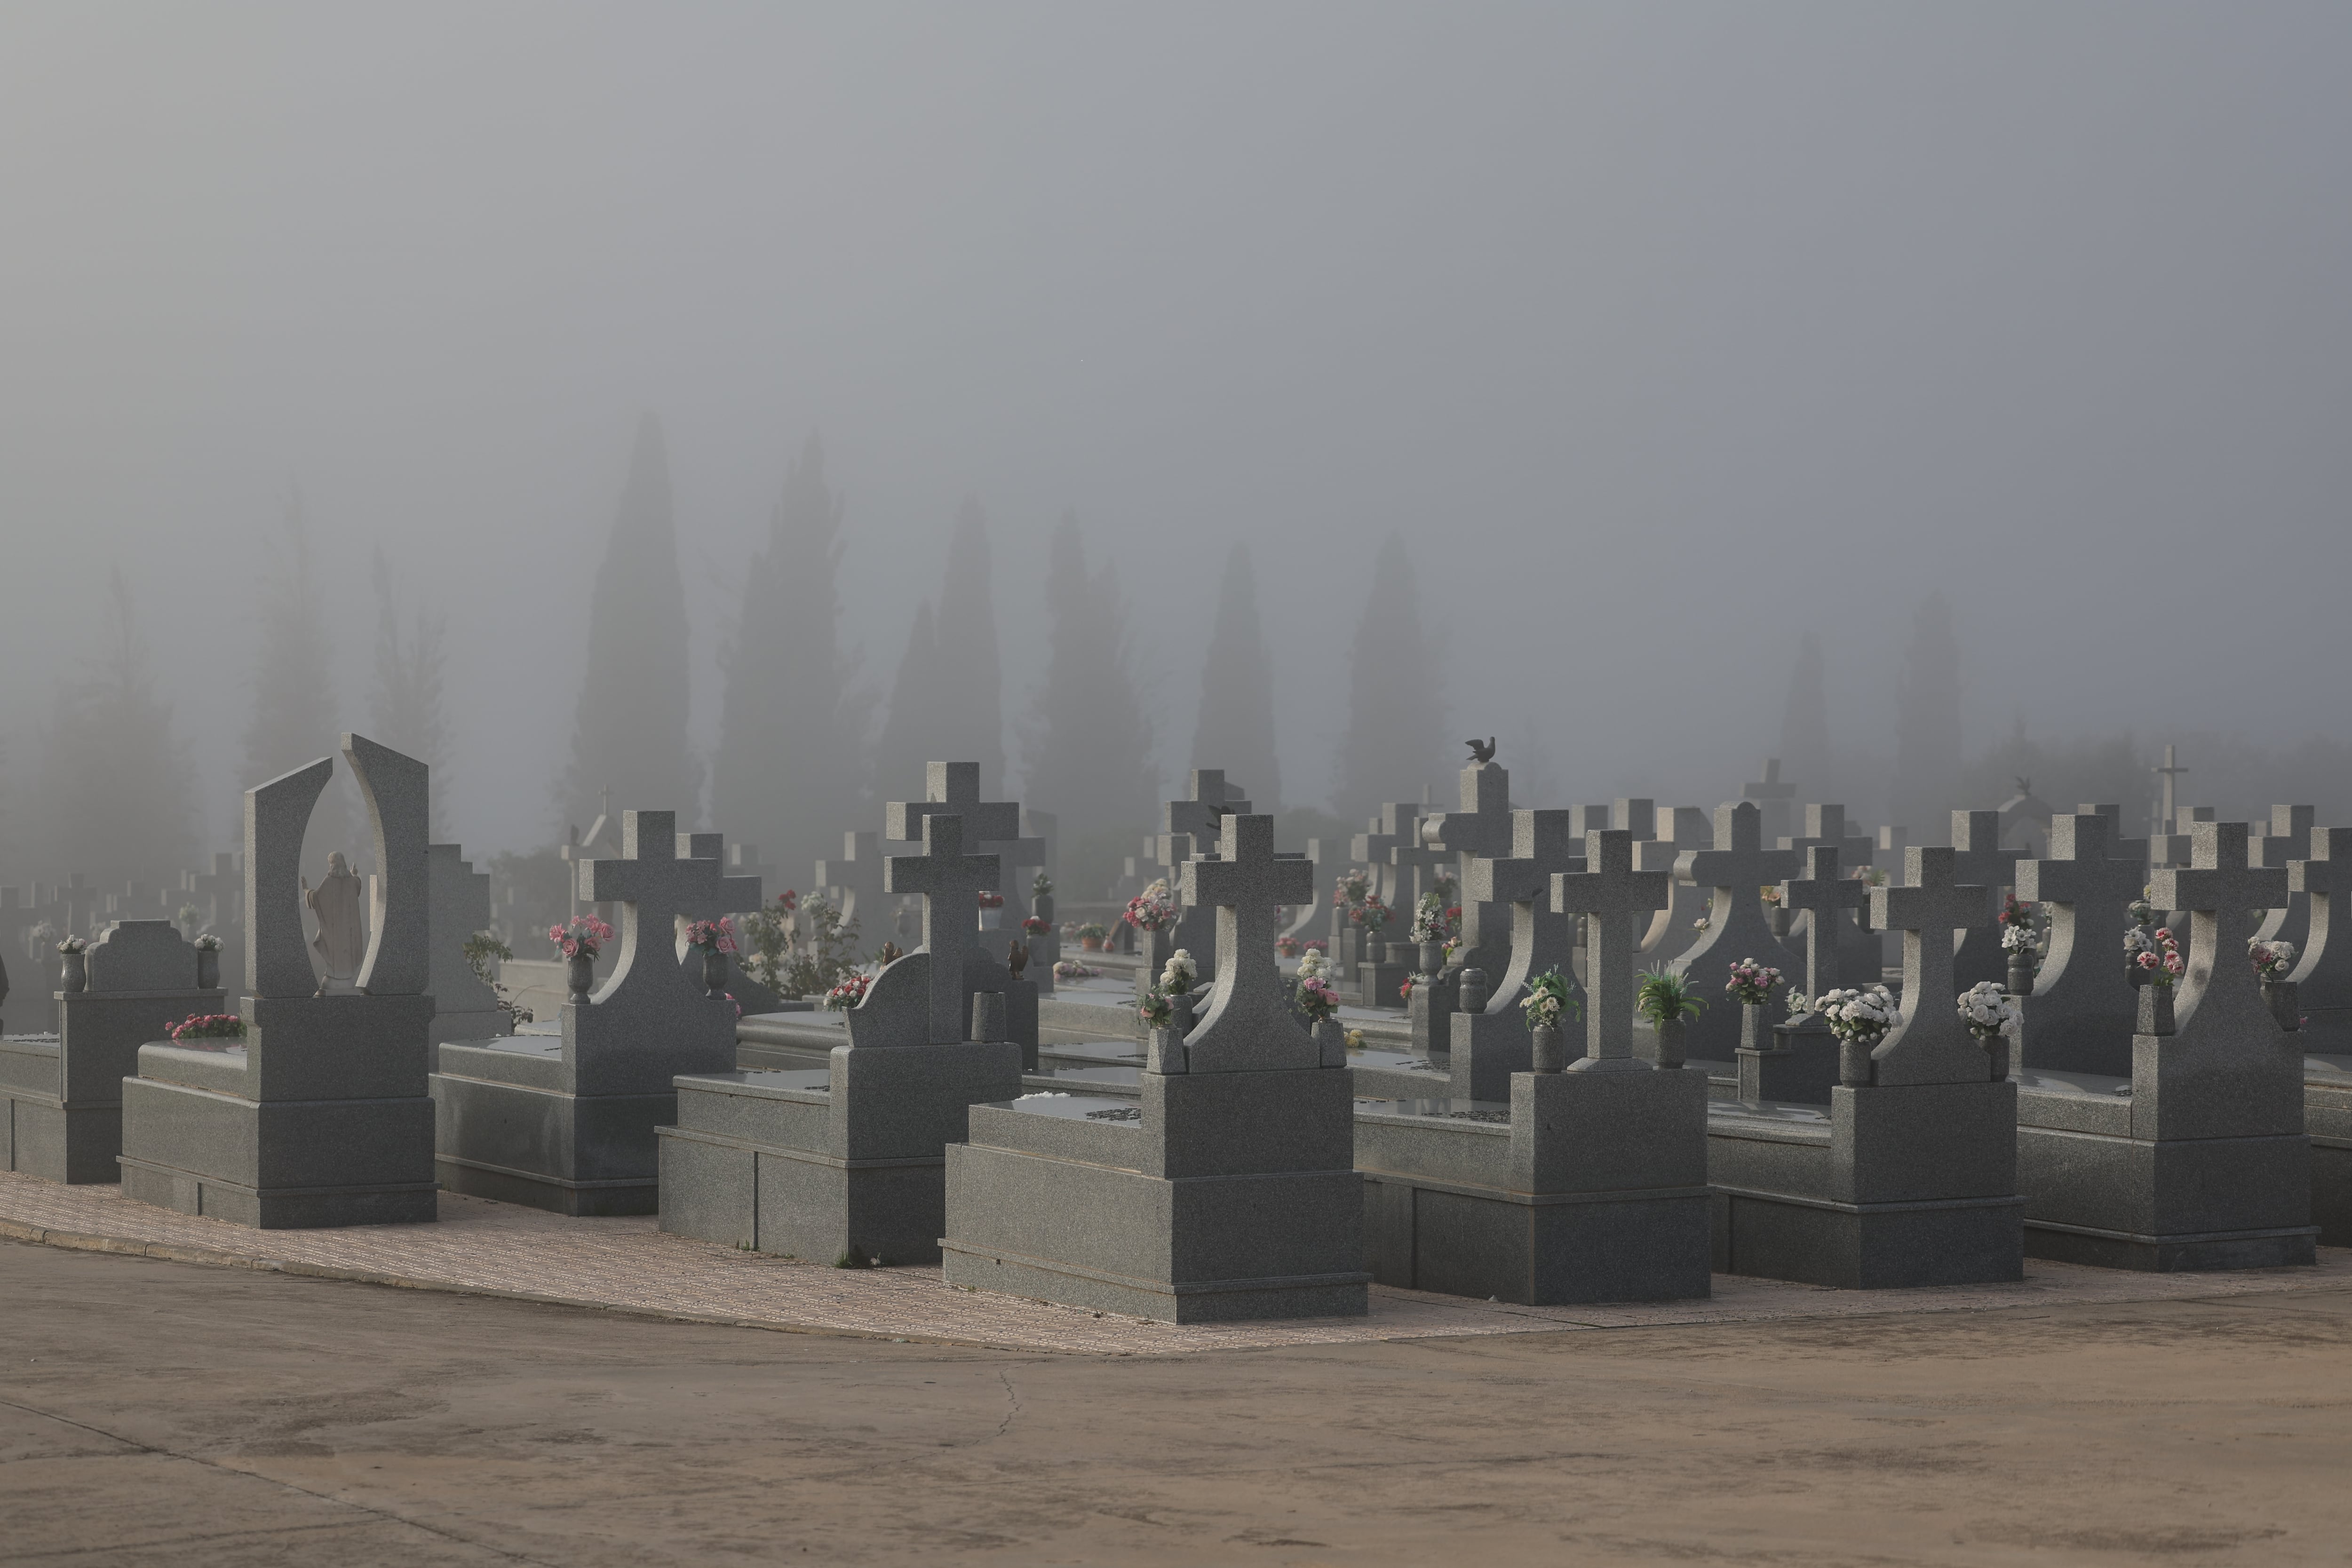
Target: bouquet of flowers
[[989, 898], [1770, 894], [208, 943], [1285, 946], [1870, 876], [1041, 886], [2272, 959], [209, 1026], [849, 993], [1548, 1001], [1032, 926], [1316, 944], [1664, 996], [1151, 909], [1404, 992], [1986, 1010], [73, 944], [1351, 889], [1315, 998], [1071, 969], [2142, 912], [2014, 914], [1370, 915], [1156, 1010], [1428, 919], [1862, 1015], [1313, 966], [2160, 960], [2018, 939], [712, 936], [1752, 982], [581, 936], [1177, 976], [1093, 931]]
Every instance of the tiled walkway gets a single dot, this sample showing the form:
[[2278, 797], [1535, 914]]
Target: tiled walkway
[[628, 1265]]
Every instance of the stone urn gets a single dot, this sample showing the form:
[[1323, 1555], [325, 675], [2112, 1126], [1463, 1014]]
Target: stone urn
[[1779, 923], [1670, 1043], [1853, 1061], [1331, 1040], [74, 973], [1752, 1036], [1376, 952], [2021, 972], [208, 969], [1550, 1051], [714, 973], [2284, 999], [1181, 1005], [2154, 1010], [579, 974], [1433, 958]]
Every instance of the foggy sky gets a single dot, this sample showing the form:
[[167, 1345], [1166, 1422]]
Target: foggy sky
[[1660, 332]]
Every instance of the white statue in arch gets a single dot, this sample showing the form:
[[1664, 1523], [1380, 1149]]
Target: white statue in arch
[[338, 904]]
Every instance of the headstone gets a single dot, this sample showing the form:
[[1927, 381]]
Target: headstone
[[1824, 824], [459, 905], [2167, 801], [567, 1123], [1737, 869], [2288, 840], [1800, 1064], [2080, 1015], [1616, 901], [1674, 928], [61, 1099], [2323, 971], [1492, 1044], [2025, 820], [1230, 1177], [1482, 827], [1981, 858], [322, 1117]]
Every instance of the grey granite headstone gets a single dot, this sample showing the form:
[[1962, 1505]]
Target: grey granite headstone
[[458, 898], [1738, 869], [397, 790], [1928, 1042], [1491, 1045], [949, 881], [2288, 840], [277, 954], [1616, 902], [2080, 1015], [1978, 856]]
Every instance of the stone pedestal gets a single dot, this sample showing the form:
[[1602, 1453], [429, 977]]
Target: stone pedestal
[[320, 1119], [1585, 1187], [1799, 1067]]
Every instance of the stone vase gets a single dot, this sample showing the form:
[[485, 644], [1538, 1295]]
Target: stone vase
[[74, 973], [1752, 1034], [1432, 957], [1670, 1043], [1181, 1008], [1779, 923], [1550, 1053], [1996, 1047], [1159, 945], [579, 974], [2020, 974], [714, 973], [2154, 1010], [2285, 1005], [1376, 952], [1163, 1052], [1853, 1062], [1042, 906], [207, 969]]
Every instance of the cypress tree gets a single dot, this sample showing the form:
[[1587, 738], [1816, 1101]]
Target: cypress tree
[[1928, 725], [1235, 729], [787, 769], [905, 745], [405, 704], [1087, 747], [970, 708], [629, 732], [1805, 725], [1396, 741]]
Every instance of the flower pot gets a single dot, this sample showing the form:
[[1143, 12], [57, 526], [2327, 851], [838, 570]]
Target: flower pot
[[1550, 1053], [2282, 998], [1853, 1062], [1331, 1042], [1041, 905], [1670, 1043], [1432, 957], [1163, 1052], [1181, 1006], [207, 969], [1091, 943], [2020, 974], [2154, 1010], [1752, 1027], [74, 976], [714, 973], [1779, 923], [1376, 952], [579, 974], [1996, 1048]]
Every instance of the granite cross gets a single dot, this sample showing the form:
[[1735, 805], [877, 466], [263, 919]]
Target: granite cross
[[1616, 902], [2289, 839], [2219, 889], [953, 788], [1249, 1025], [2164, 807], [1541, 848], [1824, 894], [1772, 797], [1396, 825], [856, 877], [655, 887], [950, 882], [1929, 1044], [1483, 828], [2323, 971], [2080, 1014]]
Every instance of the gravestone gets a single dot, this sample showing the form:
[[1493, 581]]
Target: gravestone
[[854, 882], [1589, 1184], [2288, 840], [1482, 827], [459, 901], [1674, 928], [1800, 1066], [2201, 1159], [1910, 1177], [1188, 827], [61, 1099], [1824, 822], [321, 1118], [847, 1163], [2323, 980], [2079, 1017], [1225, 1191], [2167, 799], [566, 1123], [1736, 868], [1490, 1045], [1982, 860]]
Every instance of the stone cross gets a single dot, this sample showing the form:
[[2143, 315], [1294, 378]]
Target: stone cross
[[1928, 1042], [1483, 828], [81, 906], [2218, 889], [2178, 846], [2288, 840], [953, 788], [743, 861], [1737, 869], [950, 882], [1541, 848], [1249, 1025], [2164, 804], [1397, 825], [2083, 1003], [2323, 970], [1677, 829], [1772, 797], [655, 887], [1978, 855], [856, 875], [1616, 902], [1824, 894]]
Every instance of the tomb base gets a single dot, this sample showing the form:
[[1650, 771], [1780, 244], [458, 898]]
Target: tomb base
[[2327, 1119], [61, 1095], [319, 1120], [1216, 1197], [1800, 1066], [1582, 1187], [841, 1164], [507, 1128], [1487, 1048]]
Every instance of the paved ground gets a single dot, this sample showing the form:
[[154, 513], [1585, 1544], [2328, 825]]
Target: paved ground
[[153, 1411]]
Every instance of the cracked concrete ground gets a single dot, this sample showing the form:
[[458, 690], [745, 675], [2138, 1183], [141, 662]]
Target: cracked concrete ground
[[162, 1413]]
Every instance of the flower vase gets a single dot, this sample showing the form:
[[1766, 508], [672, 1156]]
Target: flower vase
[[1376, 952], [1159, 945], [580, 973], [1996, 1047], [1179, 1008], [1091, 943], [1779, 923], [1551, 1054], [1163, 1052], [1433, 958], [207, 969], [1752, 1027], [2283, 999], [74, 979], [2020, 974], [1331, 1042], [714, 973], [1853, 1062], [1670, 1043], [1042, 906], [2154, 1010]]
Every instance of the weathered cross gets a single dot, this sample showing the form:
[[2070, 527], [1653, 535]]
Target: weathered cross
[[1929, 1044], [1977, 856], [2218, 889], [1824, 894], [2288, 840], [856, 875], [1541, 848], [2323, 971], [1616, 902], [1483, 828], [2164, 807], [1396, 826], [657, 886], [1249, 1025], [950, 882], [1189, 826], [953, 788], [1738, 867], [2089, 890]]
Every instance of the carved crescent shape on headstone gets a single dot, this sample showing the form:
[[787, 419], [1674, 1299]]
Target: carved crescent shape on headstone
[[397, 790], [277, 958]]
